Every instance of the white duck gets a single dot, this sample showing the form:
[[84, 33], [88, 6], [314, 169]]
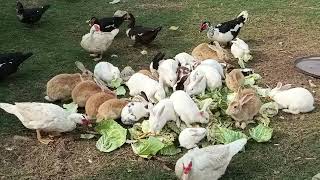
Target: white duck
[[207, 163], [240, 50], [45, 117], [97, 42], [189, 137]]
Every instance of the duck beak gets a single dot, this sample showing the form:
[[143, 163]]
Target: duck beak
[[86, 122]]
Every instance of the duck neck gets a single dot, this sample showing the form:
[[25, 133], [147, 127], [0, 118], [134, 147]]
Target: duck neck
[[132, 21], [118, 21]]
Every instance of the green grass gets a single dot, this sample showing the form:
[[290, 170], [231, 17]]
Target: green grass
[[55, 44]]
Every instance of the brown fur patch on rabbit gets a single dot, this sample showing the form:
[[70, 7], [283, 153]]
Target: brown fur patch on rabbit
[[111, 109], [94, 102], [244, 107], [234, 80], [60, 86], [82, 92], [147, 73], [206, 51]]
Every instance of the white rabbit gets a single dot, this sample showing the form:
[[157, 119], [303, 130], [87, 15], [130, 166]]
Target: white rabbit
[[133, 112], [215, 64], [185, 59], [187, 109], [106, 71], [189, 137], [168, 72], [294, 101], [213, 77], [141, 83], [160, 114], [240, 50], [197, 85]]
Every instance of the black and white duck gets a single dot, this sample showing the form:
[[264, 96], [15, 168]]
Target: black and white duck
[[30, 15], [107, 24], [140, 34], [226, 31], [9, 62]]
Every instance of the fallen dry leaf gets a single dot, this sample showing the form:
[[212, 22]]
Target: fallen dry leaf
[[144, 52], [114, 2], [311, 84], [174, 28]]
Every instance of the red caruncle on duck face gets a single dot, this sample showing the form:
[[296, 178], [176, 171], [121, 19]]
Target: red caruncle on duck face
[[204, 26], [97, 27], [187, 169]]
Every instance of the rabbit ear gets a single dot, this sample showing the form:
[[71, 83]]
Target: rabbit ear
[[80, 66], [238, 76], [161, 111], [238, 92], [143, 94], [101, 84], [246, 98], [200, 78], [286, 87], [279, 85]]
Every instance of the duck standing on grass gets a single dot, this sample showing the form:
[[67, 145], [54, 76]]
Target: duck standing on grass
[[45, 117], [140, 34], [226, 31], [97, 42], [9, 62], [31, 15]]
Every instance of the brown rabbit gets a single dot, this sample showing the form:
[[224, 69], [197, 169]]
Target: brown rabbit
[[94, 102], [111, 109], [244, 107], [147, 73], [82, 92], [234, 80], [61, 86], [206, 51]]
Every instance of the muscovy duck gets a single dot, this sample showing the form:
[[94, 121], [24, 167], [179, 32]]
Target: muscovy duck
[[208, 163], [97, 42], [30, 15], [45, 117], [226, 31], [140, 34], [107, 24], [9, 62]]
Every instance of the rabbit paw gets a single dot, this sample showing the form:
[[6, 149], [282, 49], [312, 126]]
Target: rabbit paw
[[237, 124], [93, 55], [291, 111], [243, 125]]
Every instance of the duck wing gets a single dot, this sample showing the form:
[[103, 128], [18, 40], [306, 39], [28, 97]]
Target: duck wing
[[145, 34], [212, 158], [106, 24], [9, 62], [231, 25], [39, 115], [34, 14]]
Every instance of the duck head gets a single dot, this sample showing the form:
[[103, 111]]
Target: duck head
[[205, 25], [186, 170], [19, 7], [79, 119], [93, 21], [94, 28]]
